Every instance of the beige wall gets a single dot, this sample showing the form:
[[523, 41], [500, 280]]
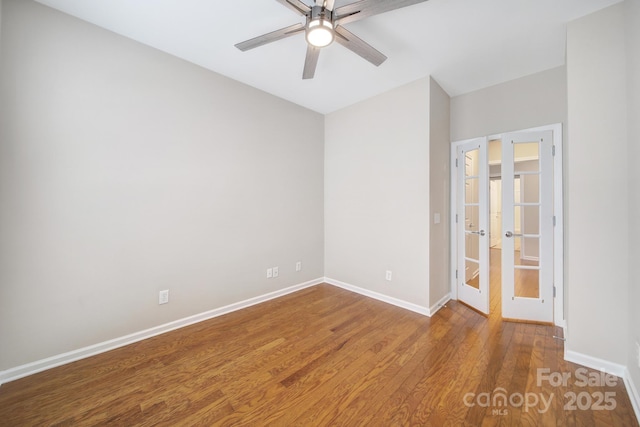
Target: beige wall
[[597, 181], [124, 171], [632, 26], [377, 193], [439, 193], [536, 100]]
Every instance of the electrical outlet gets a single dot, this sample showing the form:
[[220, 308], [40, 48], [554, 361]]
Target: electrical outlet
[[275, 272], [388, 275], [269, 273], [298, 265], [163, 297]]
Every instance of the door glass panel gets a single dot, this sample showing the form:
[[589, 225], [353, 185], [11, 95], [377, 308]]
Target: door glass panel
[[526, 283], [471, 163], [530, 188], [525, 151], [526, 219], [471, 190], [472, 246], [471, 217], [530, 220], [526, 166], [526, 252], [517, 245], [517, 220], [472, 276]]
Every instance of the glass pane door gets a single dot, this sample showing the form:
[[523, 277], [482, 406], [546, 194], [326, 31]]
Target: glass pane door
[[472, 224], [527, 240]]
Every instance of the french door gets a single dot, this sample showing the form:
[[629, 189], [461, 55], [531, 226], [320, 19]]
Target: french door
[[523, 196], [527, 226], [472, 224]]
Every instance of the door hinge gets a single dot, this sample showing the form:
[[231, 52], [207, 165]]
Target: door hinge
[[456, 218], [554, 291], [553, 150], [456, 274], [554, 220], [456, 162]]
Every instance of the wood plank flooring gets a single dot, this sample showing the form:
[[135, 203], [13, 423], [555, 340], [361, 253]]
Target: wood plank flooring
[[321, 356]]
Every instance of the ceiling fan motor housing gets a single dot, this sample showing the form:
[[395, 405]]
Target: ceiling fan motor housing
[[320, 29]]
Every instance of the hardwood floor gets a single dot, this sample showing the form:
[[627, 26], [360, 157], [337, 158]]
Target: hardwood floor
[[322, 356]]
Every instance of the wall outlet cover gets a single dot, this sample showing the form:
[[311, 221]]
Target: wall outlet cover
[[163, 297]]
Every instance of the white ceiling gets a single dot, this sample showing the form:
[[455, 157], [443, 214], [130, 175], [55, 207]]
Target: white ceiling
[[464, 44]]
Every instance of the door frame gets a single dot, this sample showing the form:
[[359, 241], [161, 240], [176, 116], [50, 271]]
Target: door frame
[[558, 212]]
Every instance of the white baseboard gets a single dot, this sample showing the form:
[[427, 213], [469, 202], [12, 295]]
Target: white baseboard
[[92, 350], [438, 305], [610, 368], [632, 390], [380, 297], [595, 363]]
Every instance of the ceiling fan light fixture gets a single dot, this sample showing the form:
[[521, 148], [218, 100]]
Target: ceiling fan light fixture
[[324, 23], [320, 32]]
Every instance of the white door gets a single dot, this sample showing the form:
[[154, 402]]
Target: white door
[[527, 226], [472, 224]]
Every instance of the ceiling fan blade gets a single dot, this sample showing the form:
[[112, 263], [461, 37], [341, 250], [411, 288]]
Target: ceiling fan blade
[[310, 62], [365, 8], [296, 6], [359, 46], [270, 37]]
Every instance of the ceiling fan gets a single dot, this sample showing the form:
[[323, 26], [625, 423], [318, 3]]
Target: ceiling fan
[[324, 24]]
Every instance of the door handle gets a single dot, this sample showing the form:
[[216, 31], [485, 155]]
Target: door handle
[[510, 234], [481, 232]]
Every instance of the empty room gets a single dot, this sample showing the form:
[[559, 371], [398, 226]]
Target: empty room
[[340, 212]]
